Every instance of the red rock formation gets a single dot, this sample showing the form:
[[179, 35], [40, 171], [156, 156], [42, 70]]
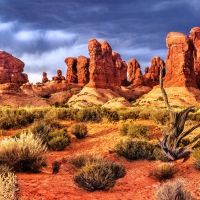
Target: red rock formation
[[122, 66], [59, 78], [44, 77], [195, 37], [71, 75], [151, 76], [135, 74], [179, 61], [83, 70], [104, 68], [11, 69]]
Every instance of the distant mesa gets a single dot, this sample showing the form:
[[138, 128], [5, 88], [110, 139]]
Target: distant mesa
[[104, 76]]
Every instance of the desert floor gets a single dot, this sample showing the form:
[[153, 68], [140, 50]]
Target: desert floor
[[102, 137]]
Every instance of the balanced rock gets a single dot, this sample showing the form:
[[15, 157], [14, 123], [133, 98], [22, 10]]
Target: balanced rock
[[179, 61], [11, 69], [71, 75], [135, 75], [195, 37]]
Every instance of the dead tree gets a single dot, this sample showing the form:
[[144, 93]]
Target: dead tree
[[170, 144]]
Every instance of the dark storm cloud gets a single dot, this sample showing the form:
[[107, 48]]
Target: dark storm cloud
[[44, 32]]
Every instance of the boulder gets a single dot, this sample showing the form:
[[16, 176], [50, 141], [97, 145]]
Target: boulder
[[11, 69]]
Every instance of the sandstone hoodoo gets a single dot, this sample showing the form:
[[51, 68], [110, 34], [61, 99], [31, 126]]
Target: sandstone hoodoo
[[71, 75], [195, 37], [11, 69], [83, 70], [59, 78], [179, 61], [135, 77], [44, 77], [151, 76], [105, 67]]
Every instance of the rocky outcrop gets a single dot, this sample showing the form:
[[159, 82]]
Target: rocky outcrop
[[106, 68], [44, 77], [11, 69], [82, 70], [179, 61], [135, 77], [151, 76], [59, 78], [71, 75], [195, 37], [122, 66]]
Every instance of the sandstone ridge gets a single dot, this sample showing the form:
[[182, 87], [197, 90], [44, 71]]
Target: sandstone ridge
[[104, 78]]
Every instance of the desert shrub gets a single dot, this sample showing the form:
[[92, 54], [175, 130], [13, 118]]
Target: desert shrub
[[173, 190], [145, 113], [58, 140], [97, 173], [55, 167], [14, 118], [66, 113], [196, 153], [8, 184], [164, 171], [160, 116], [134, 149], [159, 155], [111, 115], [197, 164], [23, 153], [79, 130], [135, 130], [41, 129], [89, 114], [128, 114]]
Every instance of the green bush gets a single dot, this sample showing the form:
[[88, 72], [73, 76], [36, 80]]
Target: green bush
[[164, 171], [97, 173], [134, 149], [160, 116], [128, 113], [135, 130], [173, 190], [111, 115], [8, 184], [89, 114], [14, 118], [159, 155], [23, 153], [41, 129], [58, 140], [145, 113], [79, 130]]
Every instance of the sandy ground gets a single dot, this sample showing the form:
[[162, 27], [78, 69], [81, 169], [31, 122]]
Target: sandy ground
[[102, 137]]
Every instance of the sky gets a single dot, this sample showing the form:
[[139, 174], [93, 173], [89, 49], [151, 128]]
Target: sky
[[42, 33]]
